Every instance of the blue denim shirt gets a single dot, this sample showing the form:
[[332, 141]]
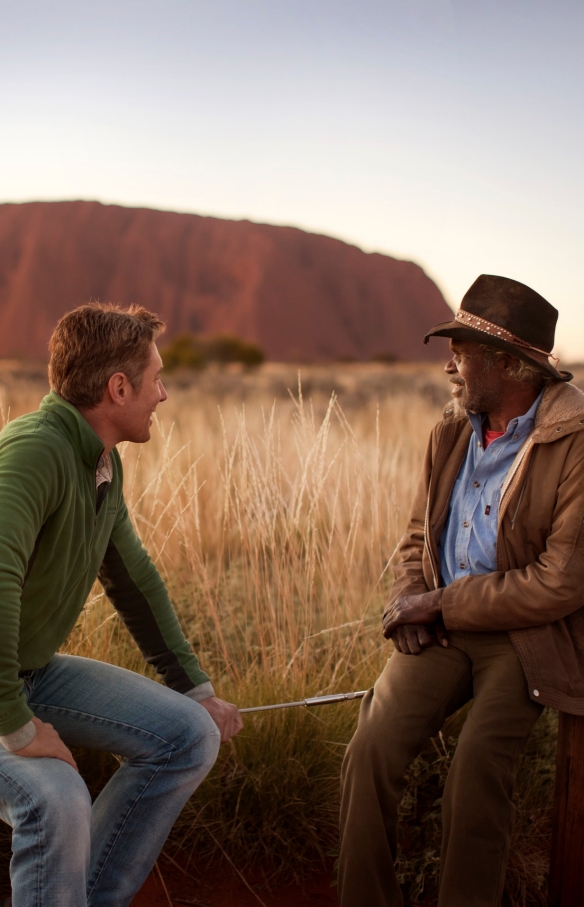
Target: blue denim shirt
[[468, 543]]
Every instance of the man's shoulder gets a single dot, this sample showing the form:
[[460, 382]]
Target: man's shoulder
[[33, 434], [452, 424], [453, 415], [560, 412], [448, 441]]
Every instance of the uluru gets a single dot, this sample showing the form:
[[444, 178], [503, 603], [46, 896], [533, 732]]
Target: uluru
[[298, 295]]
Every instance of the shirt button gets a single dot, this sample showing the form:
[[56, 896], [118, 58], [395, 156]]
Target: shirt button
[[462, 566], [477, 484], [515, 437], [536, 692], [465, 524]]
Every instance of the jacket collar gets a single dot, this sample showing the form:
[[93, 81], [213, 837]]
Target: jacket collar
[[80, 433], [561, 412]]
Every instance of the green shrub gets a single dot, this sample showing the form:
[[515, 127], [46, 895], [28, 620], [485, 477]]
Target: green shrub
[[184, 351], [195, 352], [386, 358], [225, 348]]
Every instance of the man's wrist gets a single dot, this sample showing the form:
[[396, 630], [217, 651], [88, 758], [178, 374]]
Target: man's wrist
[[436, 596], [17, 740], [201, 691]]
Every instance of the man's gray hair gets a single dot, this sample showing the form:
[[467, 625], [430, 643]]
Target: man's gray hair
[[519, 368]]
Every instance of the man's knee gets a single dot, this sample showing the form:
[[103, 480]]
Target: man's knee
[[374, 752], [196, 737], [207, 740], [363, 747], [65, 800], [55, 800]]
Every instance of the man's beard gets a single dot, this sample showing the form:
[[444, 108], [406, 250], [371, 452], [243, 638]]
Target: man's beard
[[478, 400]]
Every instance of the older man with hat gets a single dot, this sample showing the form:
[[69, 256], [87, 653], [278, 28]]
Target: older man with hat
[[486, 604]]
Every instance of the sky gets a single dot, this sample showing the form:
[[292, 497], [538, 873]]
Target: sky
[[447, 132]]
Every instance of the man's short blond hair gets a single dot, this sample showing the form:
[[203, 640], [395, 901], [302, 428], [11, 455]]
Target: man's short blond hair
[[93, 342]]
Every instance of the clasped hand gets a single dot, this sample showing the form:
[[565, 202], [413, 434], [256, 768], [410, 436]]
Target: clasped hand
[[413, 622], [225, 715]]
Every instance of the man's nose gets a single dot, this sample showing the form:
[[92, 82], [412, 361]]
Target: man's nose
[[450, 367]]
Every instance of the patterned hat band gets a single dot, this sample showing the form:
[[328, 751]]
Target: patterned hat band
[[487, 327]]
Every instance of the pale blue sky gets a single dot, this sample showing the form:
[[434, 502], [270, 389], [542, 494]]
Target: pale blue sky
[[447, 132]]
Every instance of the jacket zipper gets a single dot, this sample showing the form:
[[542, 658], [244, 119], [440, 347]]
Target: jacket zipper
[[426, 539], [510, 482], [518, 505]]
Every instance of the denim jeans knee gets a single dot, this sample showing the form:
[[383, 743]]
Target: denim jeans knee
[[49, 808], [168, 744]]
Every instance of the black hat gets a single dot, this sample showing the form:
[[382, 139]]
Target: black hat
[[510, 316]]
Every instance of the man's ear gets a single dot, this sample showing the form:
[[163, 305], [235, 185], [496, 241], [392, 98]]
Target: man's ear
[[507, 361], [117, 389]]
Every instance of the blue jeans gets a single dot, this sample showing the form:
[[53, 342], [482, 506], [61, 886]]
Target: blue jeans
[[66, 852]]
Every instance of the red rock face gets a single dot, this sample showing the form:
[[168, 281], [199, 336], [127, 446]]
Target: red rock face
[[298, 295]]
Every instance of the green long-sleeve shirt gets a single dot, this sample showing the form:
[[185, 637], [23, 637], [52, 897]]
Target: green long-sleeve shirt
[[56, 537]]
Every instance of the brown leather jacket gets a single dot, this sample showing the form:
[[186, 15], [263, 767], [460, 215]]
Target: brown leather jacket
[[537, 591]]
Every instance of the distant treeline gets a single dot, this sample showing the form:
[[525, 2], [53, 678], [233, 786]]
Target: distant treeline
[[195, 352]]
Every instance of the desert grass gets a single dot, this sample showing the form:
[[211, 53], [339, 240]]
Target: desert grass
[[274, 518]]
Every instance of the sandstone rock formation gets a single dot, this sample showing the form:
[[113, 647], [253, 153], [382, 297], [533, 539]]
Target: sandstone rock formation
[[296, 294]]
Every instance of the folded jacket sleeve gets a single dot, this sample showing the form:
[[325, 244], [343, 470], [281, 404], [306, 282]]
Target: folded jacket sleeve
[[139, 594], [31, 486], [408, 570]]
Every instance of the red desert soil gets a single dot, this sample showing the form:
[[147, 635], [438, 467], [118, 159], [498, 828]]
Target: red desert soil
[[299, 295], [226, 889]]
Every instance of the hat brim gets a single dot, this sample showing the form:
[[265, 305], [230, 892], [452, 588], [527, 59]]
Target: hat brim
[[456, 331]]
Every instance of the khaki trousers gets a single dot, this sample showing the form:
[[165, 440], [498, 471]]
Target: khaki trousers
[[408, 704]]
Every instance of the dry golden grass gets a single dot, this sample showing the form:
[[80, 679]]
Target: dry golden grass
[[273, 523], [274, 517]]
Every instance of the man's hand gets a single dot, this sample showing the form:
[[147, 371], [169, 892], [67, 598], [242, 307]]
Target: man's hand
[[225, 715], [47, 743], [411, 639], [412, 609]]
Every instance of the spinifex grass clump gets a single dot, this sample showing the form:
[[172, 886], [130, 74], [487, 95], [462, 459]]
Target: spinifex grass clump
[[275, 528]]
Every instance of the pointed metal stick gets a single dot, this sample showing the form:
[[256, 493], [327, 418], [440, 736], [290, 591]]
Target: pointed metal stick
[[315, 700]]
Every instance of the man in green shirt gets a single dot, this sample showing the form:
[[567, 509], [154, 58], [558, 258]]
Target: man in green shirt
[[63, 523]]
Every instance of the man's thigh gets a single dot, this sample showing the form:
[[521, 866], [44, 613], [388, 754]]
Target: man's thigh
[[411, 700], [502, 711], [100, 706]]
